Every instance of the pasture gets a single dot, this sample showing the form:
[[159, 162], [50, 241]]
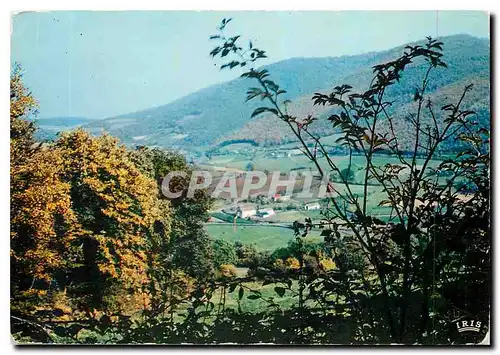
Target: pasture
[[264, 238]]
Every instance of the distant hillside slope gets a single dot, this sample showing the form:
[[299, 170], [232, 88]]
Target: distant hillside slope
[[219, 113], [49, 127]]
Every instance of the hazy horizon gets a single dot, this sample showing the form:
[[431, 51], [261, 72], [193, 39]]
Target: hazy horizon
[[103, 64]]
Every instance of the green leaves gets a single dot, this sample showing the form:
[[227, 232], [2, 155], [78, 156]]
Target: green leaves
[[280, 291], [332, 99], [228, 46], [262, 110], [232, 287], [271, 85], [256, 74], [231, 64], [254, 92], [224, 22]]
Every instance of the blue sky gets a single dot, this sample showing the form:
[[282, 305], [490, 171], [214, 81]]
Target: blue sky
[[100, 64]]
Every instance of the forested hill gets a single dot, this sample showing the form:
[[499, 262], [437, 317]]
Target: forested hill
[[219, 113]]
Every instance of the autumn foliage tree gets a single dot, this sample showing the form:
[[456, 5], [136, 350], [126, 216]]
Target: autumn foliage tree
[[22, 105], [190, 247], [92, 236], [84, 222]]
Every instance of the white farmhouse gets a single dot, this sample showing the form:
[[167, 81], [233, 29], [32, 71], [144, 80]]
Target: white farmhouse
[[266, 212], [280, 198], [312, 206], [246, 211]]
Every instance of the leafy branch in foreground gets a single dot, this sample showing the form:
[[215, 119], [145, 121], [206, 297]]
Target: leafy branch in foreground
[[437, 212]]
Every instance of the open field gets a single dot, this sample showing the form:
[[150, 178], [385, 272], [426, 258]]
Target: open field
[[265, 238], [294, 215], [264, 160], [237, 147]]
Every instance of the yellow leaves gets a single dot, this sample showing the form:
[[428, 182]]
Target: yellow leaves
[[77, 202], [327, 264], [292, 263], [22, 104], [81, 190], [279, 264], [227, 270], [21, 100], [108, 269], [34, 292], [39, 197]]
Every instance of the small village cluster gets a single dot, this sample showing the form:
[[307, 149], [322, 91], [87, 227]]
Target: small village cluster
[[255, 211]]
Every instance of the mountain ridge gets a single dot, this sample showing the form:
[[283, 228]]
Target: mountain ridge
[[215, 113]]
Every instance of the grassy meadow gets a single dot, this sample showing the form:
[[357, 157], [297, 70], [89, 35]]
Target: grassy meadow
[[265, 238]]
